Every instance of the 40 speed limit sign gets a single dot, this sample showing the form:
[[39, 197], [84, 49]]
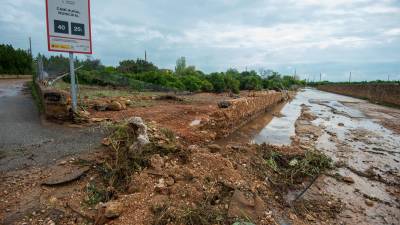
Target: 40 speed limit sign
[[68, 26]]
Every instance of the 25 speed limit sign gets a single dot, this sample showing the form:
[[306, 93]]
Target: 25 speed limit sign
[[68, 26]]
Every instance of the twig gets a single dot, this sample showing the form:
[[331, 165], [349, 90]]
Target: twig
[[308, 187]]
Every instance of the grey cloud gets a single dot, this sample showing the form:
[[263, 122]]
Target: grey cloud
[[217, 34]]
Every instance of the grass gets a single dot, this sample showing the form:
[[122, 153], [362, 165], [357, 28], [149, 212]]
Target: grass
[[95, 195], [292, 169], [126, 161], [36, 95], [93, 92], [168, 133], [204, 214]]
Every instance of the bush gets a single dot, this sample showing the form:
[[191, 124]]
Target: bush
[[142, 75], [231, 84], [138, 66]]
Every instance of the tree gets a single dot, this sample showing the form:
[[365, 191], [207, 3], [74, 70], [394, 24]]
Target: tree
[[138, 66], [231, 84], [14, 61], [180, 66], [218, 82]]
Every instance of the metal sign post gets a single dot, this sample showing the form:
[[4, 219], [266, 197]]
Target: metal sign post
[[69, 30], [73, 85]]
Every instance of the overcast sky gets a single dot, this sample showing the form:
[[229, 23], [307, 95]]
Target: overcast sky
[[333, 37]]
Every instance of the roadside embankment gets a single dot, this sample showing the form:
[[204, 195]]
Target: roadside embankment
[[232, 114], [381, 93]]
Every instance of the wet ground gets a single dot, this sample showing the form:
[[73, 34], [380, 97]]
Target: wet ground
[[26, 140], [356, 135]]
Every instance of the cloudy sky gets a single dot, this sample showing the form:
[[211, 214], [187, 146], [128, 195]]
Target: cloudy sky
[[333, 37]]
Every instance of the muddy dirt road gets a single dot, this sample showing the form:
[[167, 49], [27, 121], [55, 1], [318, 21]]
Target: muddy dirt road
[[26, 140], [362, 139]]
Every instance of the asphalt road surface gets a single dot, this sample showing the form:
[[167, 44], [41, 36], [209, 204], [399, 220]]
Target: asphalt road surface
[[27, 140]]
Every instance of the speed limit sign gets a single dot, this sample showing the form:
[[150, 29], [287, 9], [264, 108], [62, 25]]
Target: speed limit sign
[[68, 26]]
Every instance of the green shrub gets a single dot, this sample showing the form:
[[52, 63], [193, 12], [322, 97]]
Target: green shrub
[[15, 61]]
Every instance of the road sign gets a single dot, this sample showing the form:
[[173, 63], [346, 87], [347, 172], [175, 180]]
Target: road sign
[[68, 26]]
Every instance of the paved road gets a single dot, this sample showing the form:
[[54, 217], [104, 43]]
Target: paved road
[[26, 140]]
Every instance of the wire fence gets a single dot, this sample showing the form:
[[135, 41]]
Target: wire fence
[[50, 75]]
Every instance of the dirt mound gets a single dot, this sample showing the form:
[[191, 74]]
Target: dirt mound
[[206, 185]]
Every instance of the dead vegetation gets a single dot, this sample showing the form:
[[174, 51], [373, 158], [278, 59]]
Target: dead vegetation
[[128, 157], [312, 210], [290, 169], [164, 168]]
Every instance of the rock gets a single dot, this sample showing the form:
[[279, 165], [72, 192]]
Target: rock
[[123, 105], [348, 180], [64, 176], [215, 148], [341, 124], [241, 206], [369, 202], [170, 181], [113, 210], [57, 104], [84, 113], [224, 104], [309, 217], [100, 106], [115, 106], [97, 120], [51, 222], [128, 102], [161, 187], [139, 130], [292, 216], [157, 162], [106, 142], [243, 223]]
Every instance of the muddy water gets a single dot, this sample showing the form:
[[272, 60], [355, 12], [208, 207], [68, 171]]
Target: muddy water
[[369, 152], [279, 130], [248, 132], [11, 87]]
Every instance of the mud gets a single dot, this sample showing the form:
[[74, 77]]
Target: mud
[[365, 153], [362, 139], [187, 180]]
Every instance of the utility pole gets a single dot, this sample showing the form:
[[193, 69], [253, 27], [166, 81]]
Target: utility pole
[[350, 78], [320, 76], [145, 55], [30, 46]]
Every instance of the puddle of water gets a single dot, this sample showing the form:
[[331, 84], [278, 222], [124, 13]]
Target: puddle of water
[[280, 130], [247, 133], [9, 88]]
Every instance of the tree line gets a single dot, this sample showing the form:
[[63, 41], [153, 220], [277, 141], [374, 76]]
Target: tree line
[[184, 77], [139, 73], [15, 61]]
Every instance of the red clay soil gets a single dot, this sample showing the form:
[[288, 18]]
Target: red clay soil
[[173, 115]]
